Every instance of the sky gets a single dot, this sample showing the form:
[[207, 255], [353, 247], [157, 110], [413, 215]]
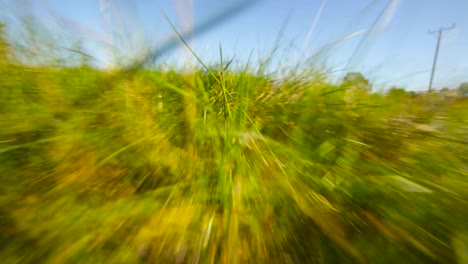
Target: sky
[[386, 40]]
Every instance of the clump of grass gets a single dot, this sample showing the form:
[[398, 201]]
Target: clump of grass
[[225, 166]]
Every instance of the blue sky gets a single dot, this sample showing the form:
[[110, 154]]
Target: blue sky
[[397, 51]]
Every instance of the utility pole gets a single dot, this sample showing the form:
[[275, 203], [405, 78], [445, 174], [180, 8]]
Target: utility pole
[[439, 37]]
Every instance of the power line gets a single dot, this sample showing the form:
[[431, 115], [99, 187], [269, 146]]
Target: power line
[[434, 63]]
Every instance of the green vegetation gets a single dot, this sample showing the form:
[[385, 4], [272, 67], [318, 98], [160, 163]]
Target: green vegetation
[[226, 166]]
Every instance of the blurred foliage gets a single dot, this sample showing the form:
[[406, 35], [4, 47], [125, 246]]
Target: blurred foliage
[[226, 167]]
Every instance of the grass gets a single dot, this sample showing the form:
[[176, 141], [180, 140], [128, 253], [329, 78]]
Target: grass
[[226, 166]]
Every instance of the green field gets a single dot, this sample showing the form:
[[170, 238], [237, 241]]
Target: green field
[[227, 165]]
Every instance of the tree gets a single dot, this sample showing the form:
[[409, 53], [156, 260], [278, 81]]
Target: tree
[[358, 81], [463, 89], [396, 92], [3, 43]]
